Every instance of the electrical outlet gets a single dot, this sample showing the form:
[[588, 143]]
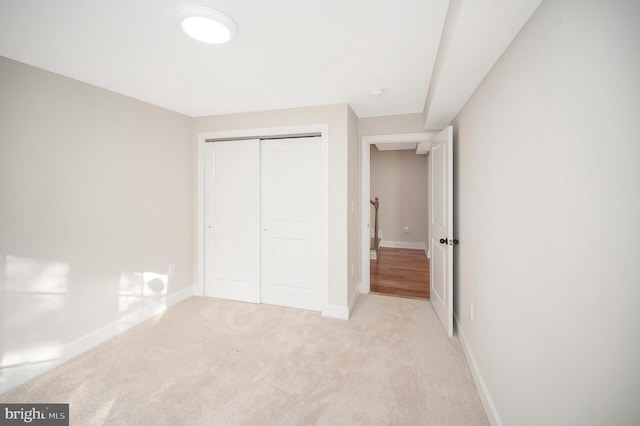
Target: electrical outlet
[[406, 229], [171, 269]]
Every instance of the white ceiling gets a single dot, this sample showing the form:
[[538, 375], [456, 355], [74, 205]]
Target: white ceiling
[[476, 33], [288, 53]]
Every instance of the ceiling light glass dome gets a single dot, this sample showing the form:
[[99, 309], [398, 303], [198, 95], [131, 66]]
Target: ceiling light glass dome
[[207, 25]]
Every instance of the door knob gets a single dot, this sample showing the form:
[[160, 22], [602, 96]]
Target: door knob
[[444, 240]]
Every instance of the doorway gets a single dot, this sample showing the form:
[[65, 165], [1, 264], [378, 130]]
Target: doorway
[[386, 268], [399, 182]]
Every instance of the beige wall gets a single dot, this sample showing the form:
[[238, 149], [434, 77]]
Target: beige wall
[[399, 180], [547, 211], [95, 189], [389, 124], [336, 116]]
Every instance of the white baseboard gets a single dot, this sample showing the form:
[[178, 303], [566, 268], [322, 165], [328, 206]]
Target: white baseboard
[[339, 312], [14, 376], [483, 391], [403, 244]]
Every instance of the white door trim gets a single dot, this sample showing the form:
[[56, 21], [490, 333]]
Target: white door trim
[[287, 131], [365, 189]]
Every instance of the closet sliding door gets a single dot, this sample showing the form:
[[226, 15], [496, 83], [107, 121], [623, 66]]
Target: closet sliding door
[[232, 220], [291, 222]]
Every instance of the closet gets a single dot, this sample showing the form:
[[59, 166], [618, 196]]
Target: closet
[[263, 221]]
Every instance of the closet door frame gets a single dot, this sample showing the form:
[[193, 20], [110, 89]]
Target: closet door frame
[[261, 133]]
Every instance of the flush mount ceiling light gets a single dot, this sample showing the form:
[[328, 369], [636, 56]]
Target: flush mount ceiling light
[[206, 24], [376, 92]]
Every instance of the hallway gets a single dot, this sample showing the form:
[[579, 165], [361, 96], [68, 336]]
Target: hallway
[[400, 272]]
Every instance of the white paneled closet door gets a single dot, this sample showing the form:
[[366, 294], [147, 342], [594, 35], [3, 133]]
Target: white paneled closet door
[[232, 220], [291, 181]]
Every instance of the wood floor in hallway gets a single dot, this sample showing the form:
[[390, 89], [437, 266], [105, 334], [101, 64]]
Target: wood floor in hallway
[[400, 272]]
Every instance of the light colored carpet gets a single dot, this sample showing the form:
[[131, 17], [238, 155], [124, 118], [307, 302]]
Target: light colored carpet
[[214, 362]]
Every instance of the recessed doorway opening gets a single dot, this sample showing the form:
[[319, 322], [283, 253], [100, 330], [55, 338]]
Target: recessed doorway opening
[[397, 265]]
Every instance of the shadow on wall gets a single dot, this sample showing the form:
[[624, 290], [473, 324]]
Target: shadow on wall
[[44, 308]]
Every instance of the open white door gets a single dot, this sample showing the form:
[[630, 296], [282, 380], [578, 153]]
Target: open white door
[[441, 227], [292, 222], [232, 220]]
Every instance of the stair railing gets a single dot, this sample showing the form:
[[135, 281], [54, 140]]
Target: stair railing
[[376, 241]]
